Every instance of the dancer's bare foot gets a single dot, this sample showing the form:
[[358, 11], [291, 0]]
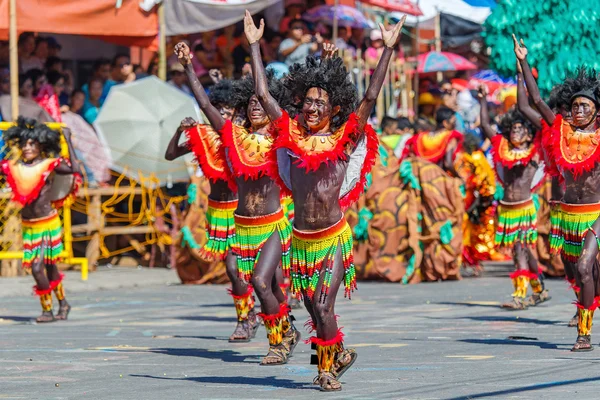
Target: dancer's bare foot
[[515, 304], [46, 316], [343, 362], [583, 343], [536, 299], [327, 382], [573, 322], [241, 333], [63, 311], [277, 355]]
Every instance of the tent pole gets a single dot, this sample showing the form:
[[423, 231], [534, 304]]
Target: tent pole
[[14, 60], [335, 21], [438, 39], [415, 84], [162, 43]]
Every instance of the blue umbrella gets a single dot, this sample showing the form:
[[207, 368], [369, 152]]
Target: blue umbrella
[[489, 75], [347, 16]]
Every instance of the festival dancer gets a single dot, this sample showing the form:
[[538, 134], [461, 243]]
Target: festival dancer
[[440, 146], [328, 144], [206, 145], [263, 233], [575, 146], [559, 101], [517, 159], [35, 179]]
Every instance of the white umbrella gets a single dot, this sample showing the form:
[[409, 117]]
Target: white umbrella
[[136, 123]]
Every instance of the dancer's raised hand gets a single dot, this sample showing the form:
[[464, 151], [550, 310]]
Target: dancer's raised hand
[[253, 34], [520, 49], [391, 37], [182, 51], [329, 50]]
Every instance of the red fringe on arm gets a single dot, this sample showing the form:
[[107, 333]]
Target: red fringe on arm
[[372, 153]]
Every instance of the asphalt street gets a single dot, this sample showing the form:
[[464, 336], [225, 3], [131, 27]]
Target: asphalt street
[[429, 341]]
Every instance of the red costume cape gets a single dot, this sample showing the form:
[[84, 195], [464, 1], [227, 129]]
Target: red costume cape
[[208, 149], [574, 151], [26, 181], [432, 148], [315, 150]]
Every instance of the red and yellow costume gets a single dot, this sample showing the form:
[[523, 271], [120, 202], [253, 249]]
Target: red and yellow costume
[[312, 251], [480, 182], [516, 221], [576, 152], [207, 147], [432, 146], [248, 157], [42, 237]]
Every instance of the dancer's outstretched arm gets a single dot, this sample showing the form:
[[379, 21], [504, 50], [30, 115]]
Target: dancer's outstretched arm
[[174, 149], [72, 166], [390, 39], [214, 116], [261, 85], [534, 92], [488, 131], [523, 101]]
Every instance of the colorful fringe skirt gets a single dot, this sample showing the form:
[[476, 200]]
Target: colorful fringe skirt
[[252, 233], [42, 234], [314, 250], [516, 223], [573, 221], [220, 229]]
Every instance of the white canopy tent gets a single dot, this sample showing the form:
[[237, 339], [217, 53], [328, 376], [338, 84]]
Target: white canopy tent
[[458, 8]]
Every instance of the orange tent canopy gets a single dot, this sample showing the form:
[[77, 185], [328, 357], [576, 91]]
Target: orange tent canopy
[[128, 25]]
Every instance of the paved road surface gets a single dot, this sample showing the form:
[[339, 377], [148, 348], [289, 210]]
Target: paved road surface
[[429, 341]]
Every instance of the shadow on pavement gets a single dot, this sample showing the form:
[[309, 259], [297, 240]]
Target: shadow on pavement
[[17, 319], [541, 345], [225, 338], [525, 389], [208, 318], [239, 380], [224, 355], [467, 304], [496, 318]]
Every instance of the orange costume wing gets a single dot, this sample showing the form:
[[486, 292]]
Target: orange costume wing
[[208, 149], [432, 147]]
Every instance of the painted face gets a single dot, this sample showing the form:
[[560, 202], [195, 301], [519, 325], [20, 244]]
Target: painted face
[[226, 112], [30, 150], [583, 111], [256, 113], [519, 134], [316, 109]]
